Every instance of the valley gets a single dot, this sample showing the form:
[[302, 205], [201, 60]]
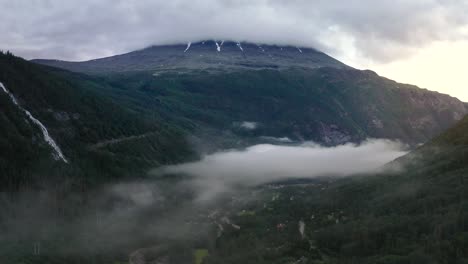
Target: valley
[[189, 154]]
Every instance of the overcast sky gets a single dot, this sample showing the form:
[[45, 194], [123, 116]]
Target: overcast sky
[[424, 42]]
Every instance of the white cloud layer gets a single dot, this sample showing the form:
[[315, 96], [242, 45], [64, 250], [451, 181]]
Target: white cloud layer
[[380, 30], [249, 125], [266, 163]]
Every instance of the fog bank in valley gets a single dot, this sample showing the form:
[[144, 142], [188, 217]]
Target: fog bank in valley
[[259, 164]]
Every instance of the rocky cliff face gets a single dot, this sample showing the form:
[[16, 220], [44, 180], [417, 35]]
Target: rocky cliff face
[[385, 108]]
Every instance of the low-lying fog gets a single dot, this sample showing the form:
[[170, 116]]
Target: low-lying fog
[[221, 171], [125, 216]]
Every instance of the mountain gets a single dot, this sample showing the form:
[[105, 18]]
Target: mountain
[[244, 90], [206, 55], [455, 136], [121, 121], [52, 127]]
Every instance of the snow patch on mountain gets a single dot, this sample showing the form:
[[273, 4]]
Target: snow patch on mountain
[[188, 46], [240, 46], [58, 155]]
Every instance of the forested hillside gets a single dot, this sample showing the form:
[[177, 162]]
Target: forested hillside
[[417, 214], [100, 139]]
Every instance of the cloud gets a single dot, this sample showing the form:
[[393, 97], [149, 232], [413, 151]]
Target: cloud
[[277, 139], [249, 125], [113, 218], [381, 30], [259, 164]]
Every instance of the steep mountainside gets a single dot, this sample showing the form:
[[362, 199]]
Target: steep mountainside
[[289, 92], [325, 105], [52, 127], [211, 95]]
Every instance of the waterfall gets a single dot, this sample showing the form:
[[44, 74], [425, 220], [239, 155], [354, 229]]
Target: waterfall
[[58, 155]]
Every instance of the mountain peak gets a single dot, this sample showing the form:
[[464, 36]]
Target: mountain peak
[[231, 46], [211, 55]]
